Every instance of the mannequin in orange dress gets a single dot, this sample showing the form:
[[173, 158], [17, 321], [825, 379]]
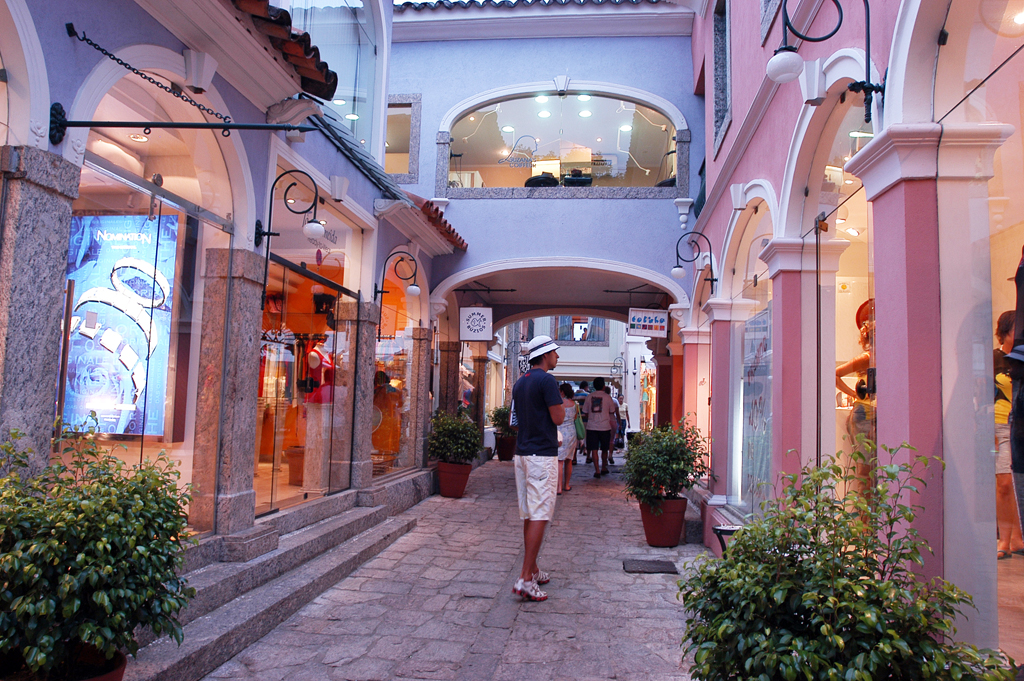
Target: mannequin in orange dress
[[387, 405]]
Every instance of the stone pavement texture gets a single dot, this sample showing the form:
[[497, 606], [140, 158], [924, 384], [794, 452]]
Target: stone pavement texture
[[438, 603]]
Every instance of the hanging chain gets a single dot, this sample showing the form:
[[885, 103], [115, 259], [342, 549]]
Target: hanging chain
[[146, 77]]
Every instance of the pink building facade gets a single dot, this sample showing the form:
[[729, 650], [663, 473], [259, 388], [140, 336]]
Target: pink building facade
[[923, 226]]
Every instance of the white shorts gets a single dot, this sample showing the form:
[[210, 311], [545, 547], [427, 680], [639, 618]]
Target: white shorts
[[536, 486]]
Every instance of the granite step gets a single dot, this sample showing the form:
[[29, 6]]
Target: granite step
[[215, 637], [218, 583]]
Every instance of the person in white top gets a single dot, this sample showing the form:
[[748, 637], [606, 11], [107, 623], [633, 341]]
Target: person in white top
[[601, 413]]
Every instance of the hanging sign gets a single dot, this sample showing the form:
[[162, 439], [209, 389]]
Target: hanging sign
[[649, 323], [475, 324]]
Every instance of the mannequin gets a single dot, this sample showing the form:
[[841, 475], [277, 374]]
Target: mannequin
[[862, 419], [321, 369], [320, 365]]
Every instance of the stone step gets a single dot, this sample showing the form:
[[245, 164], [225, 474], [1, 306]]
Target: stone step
[[214, 638], [218, 583]]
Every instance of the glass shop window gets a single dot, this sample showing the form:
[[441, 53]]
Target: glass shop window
[[575, 140]]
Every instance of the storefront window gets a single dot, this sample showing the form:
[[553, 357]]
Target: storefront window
[[576, 140], [981, 232], [393, 443], [396, 147], [345, 32]]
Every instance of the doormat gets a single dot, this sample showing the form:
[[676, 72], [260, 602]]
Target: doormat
[[649, 566]]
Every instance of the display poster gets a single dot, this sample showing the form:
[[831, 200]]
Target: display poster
[[475, 324], [646, 322], [123, 269]]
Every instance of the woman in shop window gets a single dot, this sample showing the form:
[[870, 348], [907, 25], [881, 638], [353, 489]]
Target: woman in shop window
[[861, 421]]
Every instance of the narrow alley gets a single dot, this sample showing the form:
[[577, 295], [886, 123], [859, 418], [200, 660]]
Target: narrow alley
[[438, 603]]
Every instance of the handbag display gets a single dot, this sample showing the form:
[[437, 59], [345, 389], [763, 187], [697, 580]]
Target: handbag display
[[581, 431]]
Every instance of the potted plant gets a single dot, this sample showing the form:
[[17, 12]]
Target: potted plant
[[504, 433], [454, 442], [823, 587], [659, 466], [89, 550]]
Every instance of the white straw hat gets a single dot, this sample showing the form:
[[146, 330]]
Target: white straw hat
[[540, 345]]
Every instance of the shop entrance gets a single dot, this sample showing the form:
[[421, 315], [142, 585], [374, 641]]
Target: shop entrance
[[306, 386]]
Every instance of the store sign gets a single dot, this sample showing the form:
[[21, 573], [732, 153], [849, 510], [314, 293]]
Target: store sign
[[649, 323], [119, 349], [475, 324]]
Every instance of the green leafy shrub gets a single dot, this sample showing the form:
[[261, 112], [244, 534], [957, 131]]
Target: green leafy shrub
[[453, 439], [501, 419], [822, 587], [88, 552], [662, 463]]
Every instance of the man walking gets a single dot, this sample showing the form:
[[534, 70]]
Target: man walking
[[538, 408], [599, 410]]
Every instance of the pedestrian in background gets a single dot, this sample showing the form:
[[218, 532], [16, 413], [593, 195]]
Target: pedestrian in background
[[538, 407], [599, 410], [567, 449]]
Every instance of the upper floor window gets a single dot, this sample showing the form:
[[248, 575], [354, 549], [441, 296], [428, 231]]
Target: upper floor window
[[574, 140], [402, 139], [346, 32], [574, 329]]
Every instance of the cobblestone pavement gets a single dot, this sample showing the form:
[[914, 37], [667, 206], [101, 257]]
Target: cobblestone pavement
[[438, 603]]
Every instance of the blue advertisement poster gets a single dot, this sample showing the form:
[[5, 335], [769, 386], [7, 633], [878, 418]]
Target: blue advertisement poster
[[123, 269]]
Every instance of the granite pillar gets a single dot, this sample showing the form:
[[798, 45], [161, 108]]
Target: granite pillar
[[448, 389], [365, 317], [35, 221], [223, 498]]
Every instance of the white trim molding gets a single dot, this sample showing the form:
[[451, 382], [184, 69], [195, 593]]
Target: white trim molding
[[413, 225], [666, 283], [592, 87], [728, 309], [692, 335], [28, 90], [790, 254]]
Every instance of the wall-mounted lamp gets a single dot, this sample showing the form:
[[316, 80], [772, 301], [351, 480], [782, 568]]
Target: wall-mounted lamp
[[618, 366], [787, 65], [412, 289], [678, 272], [312, 229]]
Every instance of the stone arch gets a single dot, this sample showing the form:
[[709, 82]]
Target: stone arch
[[746, 202], [28, 90], [841, 67], [557, 311], [381, 78], [107, 73], [912, 61]]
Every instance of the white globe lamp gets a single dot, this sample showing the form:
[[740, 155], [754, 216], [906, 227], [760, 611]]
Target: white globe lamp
[[313, 229], [678, 272], [786, 65], [413, 290]]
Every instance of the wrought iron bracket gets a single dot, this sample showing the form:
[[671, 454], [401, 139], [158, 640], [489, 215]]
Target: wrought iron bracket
[[680, 258]]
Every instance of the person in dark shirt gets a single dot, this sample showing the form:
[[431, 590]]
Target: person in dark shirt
[[538, 408]]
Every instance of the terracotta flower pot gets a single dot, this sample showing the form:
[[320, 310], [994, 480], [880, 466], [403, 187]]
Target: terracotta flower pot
[[506, 446], [91, 665], [453, 478], [665, 529]]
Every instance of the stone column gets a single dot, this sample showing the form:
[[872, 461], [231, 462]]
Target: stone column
[[229, 368], [365, 316], [419, 392], [448, 389], [933, 336], [726, 317], [38, 188]]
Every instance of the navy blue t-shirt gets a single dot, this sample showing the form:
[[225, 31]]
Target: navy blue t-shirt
[[531, 396]]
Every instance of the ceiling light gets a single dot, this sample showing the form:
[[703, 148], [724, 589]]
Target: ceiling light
[[472, 118], [785, 66], [1019, 19], [625, 128], [507, 128], [852, 232], [290, 200], [136, 137], [339, 102], [352, 116], [503, 152], [583, 98], [313, 229], [386, 144], [362, 141], [544, 114], [842, 214], [847, 181], [585, 114], [541, 100], [598, 139]]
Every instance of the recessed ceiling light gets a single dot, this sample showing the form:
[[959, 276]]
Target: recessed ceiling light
[[503, 152], [472, 118], [840, 220], [352, 116], [136, 137], [541, 100], [625, 128], [852, 232], [1019, 19], [583, 98], [340, 102], [544, 114], [507, 128], [861, 133], [847, 181], [598, 139], [585, 114], [362, 141], [290, 200]]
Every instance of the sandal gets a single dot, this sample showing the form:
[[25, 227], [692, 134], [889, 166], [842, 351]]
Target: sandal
[[1002, 555], [529, 591], [541, 577]]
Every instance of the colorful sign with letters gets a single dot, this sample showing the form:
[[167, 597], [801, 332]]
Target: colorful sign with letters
[[645, 322]]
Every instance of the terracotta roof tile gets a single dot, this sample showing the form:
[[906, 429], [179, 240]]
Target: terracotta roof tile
[[435, 216], [295, 45]]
